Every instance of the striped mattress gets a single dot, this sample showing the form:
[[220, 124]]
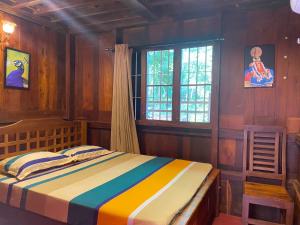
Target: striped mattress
[[115, 189]]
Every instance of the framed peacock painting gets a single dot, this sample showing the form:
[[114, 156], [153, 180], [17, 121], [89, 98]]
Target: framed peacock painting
[[16, 69]]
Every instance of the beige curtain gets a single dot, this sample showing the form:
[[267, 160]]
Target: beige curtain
[[123, 129]]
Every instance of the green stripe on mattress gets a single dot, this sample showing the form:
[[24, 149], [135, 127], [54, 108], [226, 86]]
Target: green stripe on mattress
[[84, 208]]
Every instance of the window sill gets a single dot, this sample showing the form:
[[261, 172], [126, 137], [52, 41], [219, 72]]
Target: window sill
[[203, 130], [157, 123], [160, 127]]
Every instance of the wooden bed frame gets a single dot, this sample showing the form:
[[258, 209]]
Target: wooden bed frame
[[51, 134], [55, 134]]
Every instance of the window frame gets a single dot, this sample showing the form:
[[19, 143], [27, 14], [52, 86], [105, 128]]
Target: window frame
[[176, 87], [144, 84]]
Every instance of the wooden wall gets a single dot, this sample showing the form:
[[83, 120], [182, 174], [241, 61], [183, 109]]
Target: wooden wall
[[47, 91], [93, 85], [238, 106], [93, 88], [94, 77]]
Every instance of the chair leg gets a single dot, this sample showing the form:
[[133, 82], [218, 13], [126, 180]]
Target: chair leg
[[290, 214], [245, 215], [282, 216]]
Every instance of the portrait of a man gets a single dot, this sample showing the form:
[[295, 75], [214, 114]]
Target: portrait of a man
[[259, 66]]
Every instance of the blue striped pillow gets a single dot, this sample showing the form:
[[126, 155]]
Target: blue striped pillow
[[23, 165], [85, 152]]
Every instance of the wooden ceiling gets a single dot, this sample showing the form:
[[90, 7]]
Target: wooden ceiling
[[80, 16]]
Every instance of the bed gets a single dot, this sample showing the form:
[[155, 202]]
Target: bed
[[40, 200]]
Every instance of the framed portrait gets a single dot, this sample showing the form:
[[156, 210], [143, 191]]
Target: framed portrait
[[259, 66], [16, 69]]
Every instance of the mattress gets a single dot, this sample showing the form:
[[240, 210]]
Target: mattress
[[119, 188]]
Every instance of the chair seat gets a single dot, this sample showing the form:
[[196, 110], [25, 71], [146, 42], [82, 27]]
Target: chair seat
[[262, 191]]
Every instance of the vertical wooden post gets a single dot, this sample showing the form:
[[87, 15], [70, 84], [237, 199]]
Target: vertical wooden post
[[215, 98], [83, 132], [215, 105], [70, 76], [218, 189], [283, 157], [143, 84], [176, 86], [245, 211]]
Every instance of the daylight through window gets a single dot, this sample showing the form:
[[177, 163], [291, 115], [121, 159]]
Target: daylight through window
[[181, 95], [159, 87]]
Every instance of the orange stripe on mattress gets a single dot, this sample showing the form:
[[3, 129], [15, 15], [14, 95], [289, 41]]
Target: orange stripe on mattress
[[117, 210]]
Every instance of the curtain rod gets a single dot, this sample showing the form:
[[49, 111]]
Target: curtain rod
[[170, 44]]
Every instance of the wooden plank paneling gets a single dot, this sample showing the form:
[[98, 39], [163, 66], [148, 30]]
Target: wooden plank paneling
[[106, 63], [228, 150], [46, 95], [70, 75], [94, 77]]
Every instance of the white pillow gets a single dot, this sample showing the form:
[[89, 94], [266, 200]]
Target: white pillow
[[85, 152], [23, 165]]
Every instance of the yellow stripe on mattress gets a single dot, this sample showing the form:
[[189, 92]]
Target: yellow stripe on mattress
[[126, 203]]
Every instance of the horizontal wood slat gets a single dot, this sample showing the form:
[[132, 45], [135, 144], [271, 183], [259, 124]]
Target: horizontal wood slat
[[266, 152], [264, 157], [261, 168], [263, 163], [263, 140], [261, 222], [264, 135], [264, 175], [263, 146]]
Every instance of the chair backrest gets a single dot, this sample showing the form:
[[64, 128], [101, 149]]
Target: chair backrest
[[264, 153]]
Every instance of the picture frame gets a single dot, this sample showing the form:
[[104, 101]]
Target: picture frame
[[16, 69], [259, 66]]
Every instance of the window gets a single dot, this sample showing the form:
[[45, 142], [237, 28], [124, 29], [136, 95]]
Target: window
[[195, 84], [176, 85], [159, 85]]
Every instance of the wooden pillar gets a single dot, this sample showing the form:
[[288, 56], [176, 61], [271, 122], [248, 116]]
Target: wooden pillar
[[215, 98], [70, 77], [215, 107]]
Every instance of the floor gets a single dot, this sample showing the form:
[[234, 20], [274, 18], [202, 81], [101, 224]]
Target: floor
[[224, 219]]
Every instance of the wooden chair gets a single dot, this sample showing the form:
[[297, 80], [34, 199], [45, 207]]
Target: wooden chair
[[264, 158]]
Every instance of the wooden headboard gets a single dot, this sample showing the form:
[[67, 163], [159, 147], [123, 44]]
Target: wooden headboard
[[51, 134]]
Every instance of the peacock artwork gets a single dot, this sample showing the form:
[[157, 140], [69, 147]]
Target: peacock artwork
[[17, 69]]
